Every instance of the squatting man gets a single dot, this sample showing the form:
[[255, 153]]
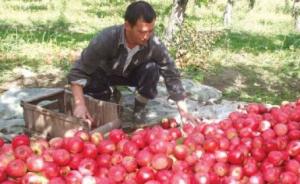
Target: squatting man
[[127, 55]]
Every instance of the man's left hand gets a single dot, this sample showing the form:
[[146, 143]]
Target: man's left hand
[[186, 117]]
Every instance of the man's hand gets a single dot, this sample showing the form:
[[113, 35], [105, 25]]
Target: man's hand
[[80, 111], [189, 118], [186, 117]]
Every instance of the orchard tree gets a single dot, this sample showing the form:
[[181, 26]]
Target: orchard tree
[[177, 16], [176, 19], [228, 13], [296, 14], [251, 4], [287, 4]]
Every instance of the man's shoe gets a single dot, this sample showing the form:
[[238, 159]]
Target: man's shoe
[[139, 119], [139, 114], [116, 95], [136, 121]]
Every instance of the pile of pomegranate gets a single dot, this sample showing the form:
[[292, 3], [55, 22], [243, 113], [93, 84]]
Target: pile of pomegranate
[[254, 145]]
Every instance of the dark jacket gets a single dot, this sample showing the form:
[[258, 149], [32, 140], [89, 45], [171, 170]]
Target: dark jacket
[[107, 51]]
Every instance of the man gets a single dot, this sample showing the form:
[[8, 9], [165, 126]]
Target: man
[[127, 54]]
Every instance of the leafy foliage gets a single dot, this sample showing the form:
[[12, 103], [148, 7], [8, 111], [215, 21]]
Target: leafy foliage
[[296, 9], [202, 2], [192, 47]]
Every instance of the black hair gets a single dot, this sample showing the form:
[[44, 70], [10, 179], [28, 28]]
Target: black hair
[[137, 10]]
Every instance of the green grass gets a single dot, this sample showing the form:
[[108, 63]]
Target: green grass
[[256, 43], [257, 58]]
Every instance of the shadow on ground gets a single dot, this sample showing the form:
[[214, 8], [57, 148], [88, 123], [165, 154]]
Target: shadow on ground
[[257, 43], [244, 82]]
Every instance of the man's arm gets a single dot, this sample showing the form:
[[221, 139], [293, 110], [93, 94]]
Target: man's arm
[[80, 109], [82, 69], [173, 81], [182, 107], [168, 70], [186, 117]]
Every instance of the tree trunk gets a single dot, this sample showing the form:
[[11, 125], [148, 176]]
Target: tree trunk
[[176, 19], [228, 13], [251, 4], [296, 13], [287, 4]]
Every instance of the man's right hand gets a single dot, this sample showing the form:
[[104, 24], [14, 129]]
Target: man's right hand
[[80, 111]]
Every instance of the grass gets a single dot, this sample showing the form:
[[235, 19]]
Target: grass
[[256, 59], [256, 43]]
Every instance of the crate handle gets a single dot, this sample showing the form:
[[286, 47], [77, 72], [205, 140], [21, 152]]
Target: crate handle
[[107, 127]]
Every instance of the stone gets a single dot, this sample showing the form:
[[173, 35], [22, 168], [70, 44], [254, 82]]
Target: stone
[[195, 90], [11, 128], [201, 93], [29, 82], [23, 77], [23, 72]]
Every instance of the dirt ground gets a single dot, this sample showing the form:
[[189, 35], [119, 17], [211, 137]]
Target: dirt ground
[[222, 80]]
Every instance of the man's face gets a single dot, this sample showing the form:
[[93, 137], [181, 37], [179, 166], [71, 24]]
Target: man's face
[[140, 33]]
